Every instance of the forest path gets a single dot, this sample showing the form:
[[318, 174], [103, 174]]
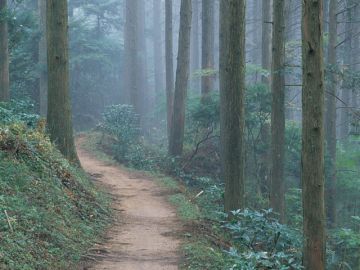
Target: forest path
[[143, 235]]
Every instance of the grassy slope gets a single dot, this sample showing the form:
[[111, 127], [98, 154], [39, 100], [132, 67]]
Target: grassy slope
[[54, 212]]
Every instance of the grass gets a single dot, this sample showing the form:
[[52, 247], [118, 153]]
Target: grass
[[50, 212]]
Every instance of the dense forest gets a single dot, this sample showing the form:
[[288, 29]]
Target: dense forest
[[180, 134]]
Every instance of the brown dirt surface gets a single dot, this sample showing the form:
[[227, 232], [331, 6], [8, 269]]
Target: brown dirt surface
[[144, 234]]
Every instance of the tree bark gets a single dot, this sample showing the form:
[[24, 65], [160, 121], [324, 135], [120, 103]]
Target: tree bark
[[330, 117], [4, 54], [59, 106], [181, 83], [346, 88], [43, 88], [232, 88], [266, 39], [169, 62], [277, 190], [195, 46], [313, 135], [158, 58], [207, 58]]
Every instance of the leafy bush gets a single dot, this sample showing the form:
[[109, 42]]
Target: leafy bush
[[18, 111], [261, 242]]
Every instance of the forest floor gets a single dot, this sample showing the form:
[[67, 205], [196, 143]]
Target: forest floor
[[146, 228]]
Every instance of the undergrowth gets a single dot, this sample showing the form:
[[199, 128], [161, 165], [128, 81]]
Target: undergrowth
[[50, 213]]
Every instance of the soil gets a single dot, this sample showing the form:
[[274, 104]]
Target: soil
[[144, 234]]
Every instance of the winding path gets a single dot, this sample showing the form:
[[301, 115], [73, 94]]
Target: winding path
[[144, 233]]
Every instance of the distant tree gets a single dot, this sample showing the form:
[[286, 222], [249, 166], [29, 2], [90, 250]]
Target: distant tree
[[313, 135], [158, 48], [59, 106], [4, 53], [277, 190], [330, 116], [42, 58], [181, 83], [232, 88], [195, 45], [207, 52], [169, 64], [266, 31]]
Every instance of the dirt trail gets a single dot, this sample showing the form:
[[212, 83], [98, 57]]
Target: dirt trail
[[144, 233]]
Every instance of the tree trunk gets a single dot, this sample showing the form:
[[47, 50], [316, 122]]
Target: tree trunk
[[4, 54], [59, 106], [207, 58], [266, 39], [181, 83], [158, 58], [43, 88], [277, 190], [313, 136], [195, 46], [232, 88], [346, 88], [330, 117], [169, 64]]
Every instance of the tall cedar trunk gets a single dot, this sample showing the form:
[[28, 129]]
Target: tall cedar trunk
[[207, 52], [355, 121], [59, 106], [313, 136], [158, 59], [330, 117], [266, 38], [181, 83], [4, 54], [195, 46], [277, 190], [43, 88], [346, 88], [169, 63], [232, 88]]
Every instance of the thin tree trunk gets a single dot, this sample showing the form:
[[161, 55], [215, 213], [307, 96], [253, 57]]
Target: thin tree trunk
[[195, 46], [181, 83], [313, 136], [158, 59], [43, 88], [232, 88], [169, 64], [207, 59], [330, 117], [277, 190], [266, 38], [4, 54], [346, 88], [59, 105]]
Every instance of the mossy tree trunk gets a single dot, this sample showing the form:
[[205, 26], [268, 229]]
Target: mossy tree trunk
[[181, 83], [4, 53], [312, 156], [59, 106], [232, 88], [330, 117], [277, 190], [207, 52], [169, 64]]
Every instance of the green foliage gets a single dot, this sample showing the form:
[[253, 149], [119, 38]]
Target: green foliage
[[263, 243], [18, 111], [186, 210], [55, 213]]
